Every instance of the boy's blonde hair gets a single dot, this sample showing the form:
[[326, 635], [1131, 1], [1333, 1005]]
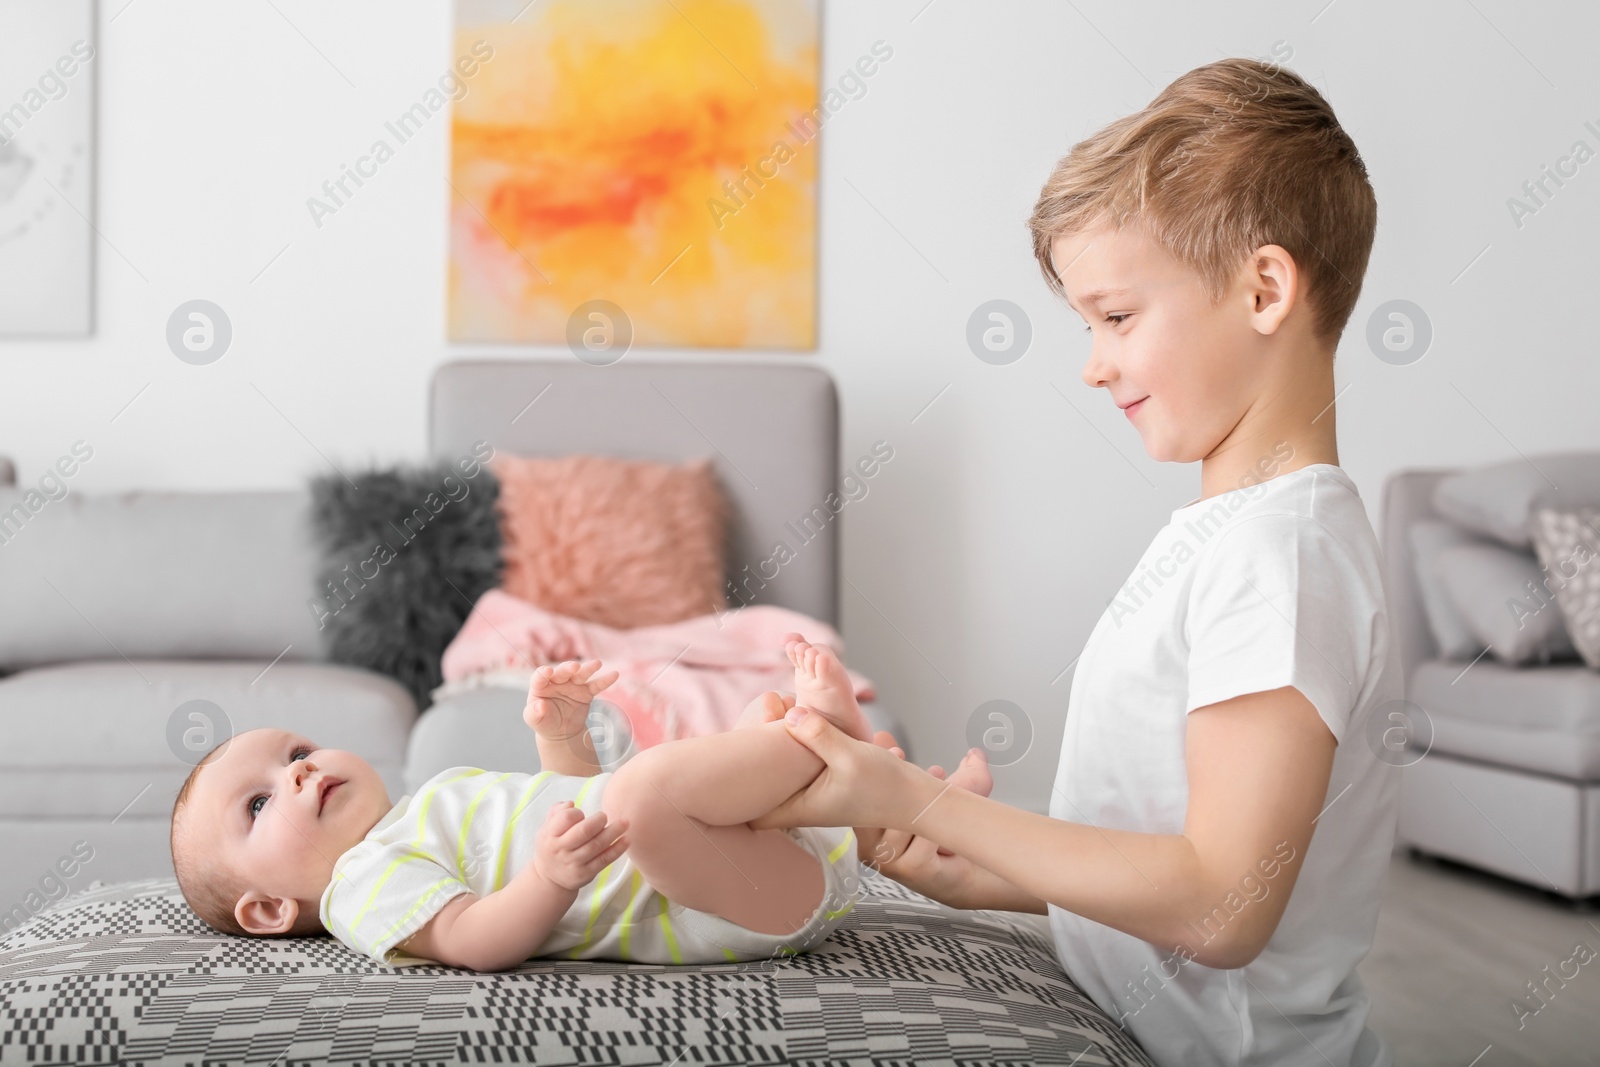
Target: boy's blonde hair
[[1231, 156]]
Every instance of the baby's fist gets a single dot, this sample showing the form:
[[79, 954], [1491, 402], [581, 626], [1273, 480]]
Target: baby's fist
[[572, 848]]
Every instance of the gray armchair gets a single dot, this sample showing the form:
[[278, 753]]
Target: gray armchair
[[1510, 779]]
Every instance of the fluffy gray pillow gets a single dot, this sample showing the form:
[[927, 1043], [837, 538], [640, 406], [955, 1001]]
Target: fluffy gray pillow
[[1429, 537], [1568, 544], [1489, 586], [1497, 500], [404, 558]]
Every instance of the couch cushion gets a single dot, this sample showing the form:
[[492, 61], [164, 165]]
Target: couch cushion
[[404, 558], [1490, 585], [107, 736], [1496, 500], [1567, 544], [151, 575], [1544, 719], [1428, 537]]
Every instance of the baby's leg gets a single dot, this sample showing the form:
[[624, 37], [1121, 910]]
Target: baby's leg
[[687, 803]]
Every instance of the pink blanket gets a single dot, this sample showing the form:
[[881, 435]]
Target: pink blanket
[[681, 679]]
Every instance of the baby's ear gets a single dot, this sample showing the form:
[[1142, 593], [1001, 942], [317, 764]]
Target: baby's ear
[[266, 916]]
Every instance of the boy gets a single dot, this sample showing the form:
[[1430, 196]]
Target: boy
[[653, 862], [1221, 709]]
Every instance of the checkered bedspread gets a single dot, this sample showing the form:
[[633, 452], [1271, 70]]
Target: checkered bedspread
[[127, 974]]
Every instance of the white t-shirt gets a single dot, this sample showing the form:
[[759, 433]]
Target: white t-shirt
[[1276, 584]]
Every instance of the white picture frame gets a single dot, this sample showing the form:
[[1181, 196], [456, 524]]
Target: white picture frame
[[48, 61]]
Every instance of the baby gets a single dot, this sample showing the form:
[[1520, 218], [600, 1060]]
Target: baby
[[654, 862]]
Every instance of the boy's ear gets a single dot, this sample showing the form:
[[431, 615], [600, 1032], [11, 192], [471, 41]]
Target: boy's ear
[[1272, 281], [266, 916]]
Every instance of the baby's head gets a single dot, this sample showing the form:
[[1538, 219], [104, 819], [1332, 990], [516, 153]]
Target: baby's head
[[256, 830], [1231, 220]]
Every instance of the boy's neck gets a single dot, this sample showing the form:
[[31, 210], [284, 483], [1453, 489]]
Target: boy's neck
[[1292, 426]]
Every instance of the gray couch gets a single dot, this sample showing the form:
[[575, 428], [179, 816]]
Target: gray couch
[[122, 610], [1511, 782]]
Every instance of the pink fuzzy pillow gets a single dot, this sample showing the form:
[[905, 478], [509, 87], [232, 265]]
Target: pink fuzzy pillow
[[626, 543]]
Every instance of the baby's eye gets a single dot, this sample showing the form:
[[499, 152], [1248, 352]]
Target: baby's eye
[[251, 805]]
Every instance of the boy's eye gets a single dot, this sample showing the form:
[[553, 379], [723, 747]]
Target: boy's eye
[[1115, 320], [251, 806]]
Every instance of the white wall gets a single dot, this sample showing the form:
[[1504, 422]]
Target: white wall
[[1007, 519]]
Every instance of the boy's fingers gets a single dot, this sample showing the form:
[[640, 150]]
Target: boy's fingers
[[815, 732]]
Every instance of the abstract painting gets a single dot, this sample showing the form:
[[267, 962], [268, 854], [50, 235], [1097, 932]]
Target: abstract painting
[[47, 91], [659, 156]]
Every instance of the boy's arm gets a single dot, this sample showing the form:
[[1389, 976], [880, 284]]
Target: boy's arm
[[917, 863], [1258, 767]]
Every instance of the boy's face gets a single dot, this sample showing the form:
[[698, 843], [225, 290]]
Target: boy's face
[[263, 809], [1160, 342]]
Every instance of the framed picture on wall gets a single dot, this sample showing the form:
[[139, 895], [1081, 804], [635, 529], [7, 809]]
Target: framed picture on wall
[[638, 165], [47, 95]]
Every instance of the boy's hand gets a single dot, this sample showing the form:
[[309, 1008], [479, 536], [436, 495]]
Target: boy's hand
[[559, 697], [919, 864], [572, 848]]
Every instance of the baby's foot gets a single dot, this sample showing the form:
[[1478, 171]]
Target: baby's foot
[[820, 683]]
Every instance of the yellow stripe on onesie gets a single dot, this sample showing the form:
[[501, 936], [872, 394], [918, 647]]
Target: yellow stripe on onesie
[[472, 831]]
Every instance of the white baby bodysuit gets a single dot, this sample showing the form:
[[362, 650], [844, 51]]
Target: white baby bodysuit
[[1275, 584], [468, 830]]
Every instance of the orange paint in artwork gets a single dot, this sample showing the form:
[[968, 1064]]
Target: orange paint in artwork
[[591, 151]]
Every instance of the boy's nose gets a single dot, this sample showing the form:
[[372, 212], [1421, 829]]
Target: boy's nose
[[1097, 372]]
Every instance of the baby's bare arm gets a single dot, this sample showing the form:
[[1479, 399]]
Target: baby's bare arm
[[504, 928], [495, 932], [572, 756]]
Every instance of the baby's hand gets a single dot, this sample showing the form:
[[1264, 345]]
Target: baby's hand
[[572, 848], [559, 696]]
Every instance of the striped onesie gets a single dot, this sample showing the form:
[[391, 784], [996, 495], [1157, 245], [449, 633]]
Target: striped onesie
[[470, 830]]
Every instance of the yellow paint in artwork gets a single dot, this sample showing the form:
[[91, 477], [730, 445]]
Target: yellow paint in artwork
[[659, 155]]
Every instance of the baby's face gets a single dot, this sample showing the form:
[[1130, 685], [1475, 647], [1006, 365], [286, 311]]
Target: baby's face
[[264, 808]]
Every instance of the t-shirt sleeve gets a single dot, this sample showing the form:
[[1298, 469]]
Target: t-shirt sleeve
[[383, 895], [1279, 600]]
